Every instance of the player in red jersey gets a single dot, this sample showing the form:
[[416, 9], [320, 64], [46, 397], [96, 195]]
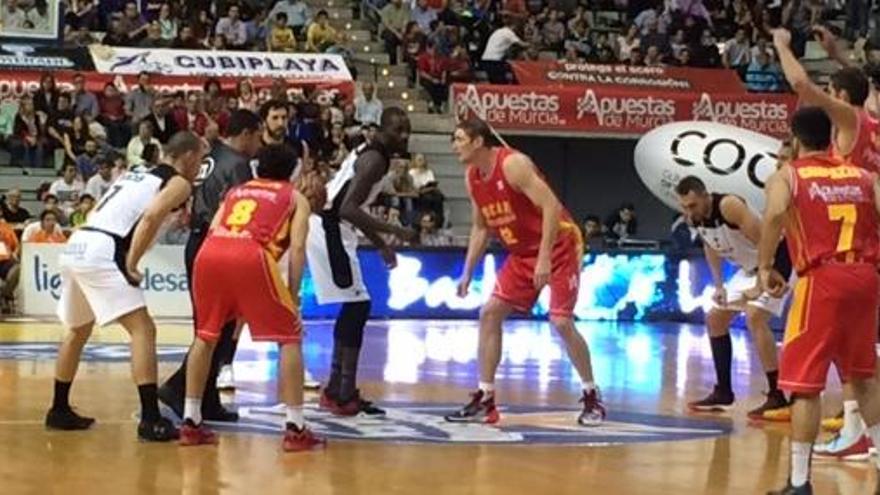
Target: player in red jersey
[[511, 200], [236, 276], [854, 138], [830, 211]]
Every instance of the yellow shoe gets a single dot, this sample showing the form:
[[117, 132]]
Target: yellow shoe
[[782, 415], [832, 424]]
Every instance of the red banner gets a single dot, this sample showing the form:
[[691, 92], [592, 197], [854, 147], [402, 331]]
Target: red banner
[[544, 72], [602, 110], [14, 85]]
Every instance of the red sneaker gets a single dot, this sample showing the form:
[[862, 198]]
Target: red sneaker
[[191, 435], [296, 440], [481, 409]]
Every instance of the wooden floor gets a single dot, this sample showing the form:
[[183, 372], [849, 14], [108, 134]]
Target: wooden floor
[[647, 371]]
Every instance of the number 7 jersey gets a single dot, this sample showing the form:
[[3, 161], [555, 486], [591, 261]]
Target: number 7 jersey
[[833, 216]]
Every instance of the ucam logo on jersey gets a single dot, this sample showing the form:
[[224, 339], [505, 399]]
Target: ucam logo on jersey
[[727, 159]]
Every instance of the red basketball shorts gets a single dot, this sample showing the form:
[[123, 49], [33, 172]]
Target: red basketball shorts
[[237, 279], [515, 282], [833, 319]]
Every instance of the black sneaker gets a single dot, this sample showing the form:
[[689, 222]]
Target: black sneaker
[[358, 405], [172, 397], [594, 412], [805, 489], [219, 413], [162, 430], [717, 401], [67, 419], [481, 409], [773, 409]]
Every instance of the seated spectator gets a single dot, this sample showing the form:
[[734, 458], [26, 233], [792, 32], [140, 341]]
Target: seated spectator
[[553, 32], [705, 53], [60, 123], [67, 188], [737, 52], [395, 15], [11, 209], [113, 117], [168, 26], [151, 156], [132, 23], [162, 120], [579, 41], [423, 15], [764, 75], [677, 44], [430, 233], [400, 190], [186, 40], [368, 107], [654, 38], [257, 30], [99, 183], [459, 67], [84, 102], [87, 162], [139, 101], [76, 137], [684, 58], [532, 32], [653, 57], [10, 255], [622, 224], [338, 148], [135, 148], [46, 231], [28, 139], [153, 39], [191, 117], [296, 12], [117, 35], [320, 34], [593, 237], [432, 76], [46, 98], [281, 36], [50, 202], [414, 42], [78, 217], [232, 28], [246, 96], [430, 198]]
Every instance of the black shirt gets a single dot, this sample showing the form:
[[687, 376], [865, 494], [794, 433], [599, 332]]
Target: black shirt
[[222, 170], [19, 216]]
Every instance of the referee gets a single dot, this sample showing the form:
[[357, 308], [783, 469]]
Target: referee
[[227, 166]]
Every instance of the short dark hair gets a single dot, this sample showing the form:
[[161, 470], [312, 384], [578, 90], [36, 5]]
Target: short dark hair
[[270, 105], [150, 150], [281, 16], [690, 184], [46, 213], [854, 81], [320, 13], [392, 116], [86, 196], [812, 127], [276, 161], [243, 120], [592, 218], [475, 128]]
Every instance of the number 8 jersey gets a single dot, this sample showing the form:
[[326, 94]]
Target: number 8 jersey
[[833, 215], [259, 210]]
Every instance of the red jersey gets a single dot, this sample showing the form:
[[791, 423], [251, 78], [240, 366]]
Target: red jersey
[[510, 214], [866, 151], [833, 213], [260, 210]]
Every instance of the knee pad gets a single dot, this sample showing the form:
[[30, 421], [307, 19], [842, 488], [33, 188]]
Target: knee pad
[[349, 328]]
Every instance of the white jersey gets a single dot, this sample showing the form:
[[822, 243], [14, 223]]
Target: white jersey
[[338, 185], [124, 203], [726, 239]]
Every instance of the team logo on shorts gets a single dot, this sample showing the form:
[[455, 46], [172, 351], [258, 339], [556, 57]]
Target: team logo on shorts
[[424, 423]]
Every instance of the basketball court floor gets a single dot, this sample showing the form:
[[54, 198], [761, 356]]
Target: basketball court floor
[[419, 370]]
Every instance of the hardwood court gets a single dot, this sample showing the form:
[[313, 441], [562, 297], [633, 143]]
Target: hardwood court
[[647, 372]]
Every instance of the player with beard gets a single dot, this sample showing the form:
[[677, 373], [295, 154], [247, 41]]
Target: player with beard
[[227, 166]]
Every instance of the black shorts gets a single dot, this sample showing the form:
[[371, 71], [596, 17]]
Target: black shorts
[[6, 266]]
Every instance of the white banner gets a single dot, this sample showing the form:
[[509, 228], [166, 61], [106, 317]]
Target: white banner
[[303, 66], [164, 280]]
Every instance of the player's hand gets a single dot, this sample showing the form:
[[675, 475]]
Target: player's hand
[[389, 257], [133, 276], [753, 293], [781, 37], [542, 273], [826, 38], [719, 297], [772, 282], [464, 284]]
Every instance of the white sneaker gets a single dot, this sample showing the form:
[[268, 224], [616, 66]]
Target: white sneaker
[[226, 379], [310, 383], [845, 447]]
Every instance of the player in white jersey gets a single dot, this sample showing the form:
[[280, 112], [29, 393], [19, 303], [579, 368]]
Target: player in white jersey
[[101, 282], [730, 230], [331, 251]]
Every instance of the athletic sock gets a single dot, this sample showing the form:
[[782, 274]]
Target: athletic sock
[[722, 354], [487, 388], [61, 399], [192, 409], [295, 416], [772, 380], [589, 387], [801, 453], [149, 402], [852, 419]]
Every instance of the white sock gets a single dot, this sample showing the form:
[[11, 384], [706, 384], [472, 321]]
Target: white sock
[[800, 462], [295, 416], [874, 433], [852, 420], [487, 388], [192, 409], [589, 386]]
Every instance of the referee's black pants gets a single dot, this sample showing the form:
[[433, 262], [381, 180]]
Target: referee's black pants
[[177, 381]]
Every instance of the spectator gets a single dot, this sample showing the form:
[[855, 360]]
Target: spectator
[[423, 15], [151, 157], [135, 148], [395, 15], [553, 32], [151, 9], [651, 19], [654, 57], [420, 173], [113, 116], [28, 139], [84, 15], [202, 27], [513, 9], [401, 191], [593, 238], [442, 36], [164, 125], [858, 13], [168, 27], [87, 162], [495, 53], [46, 98], [677, 44], [579, 16], [78, 217], [247, 97], [281, 36], [218, 42], [684, 58], [84, 102], [580, 41], [459, 68], [11, 209], [622, 224], [706, 53], [737, 52], [132, 23], [153, 39], [192, 117], [430, 233], [432, 76], [186, 40], [10, 252], [368, 107], [627, 43], [14, 16], [296, 12], [764, 75], [654, 38], [139, 101], [257, 31], [117, 35], [99, 183], [413, 46], [66, 189], [76, 137], [46, 231], [532, 32], [320, 34], [60, 122], [232, 28]]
